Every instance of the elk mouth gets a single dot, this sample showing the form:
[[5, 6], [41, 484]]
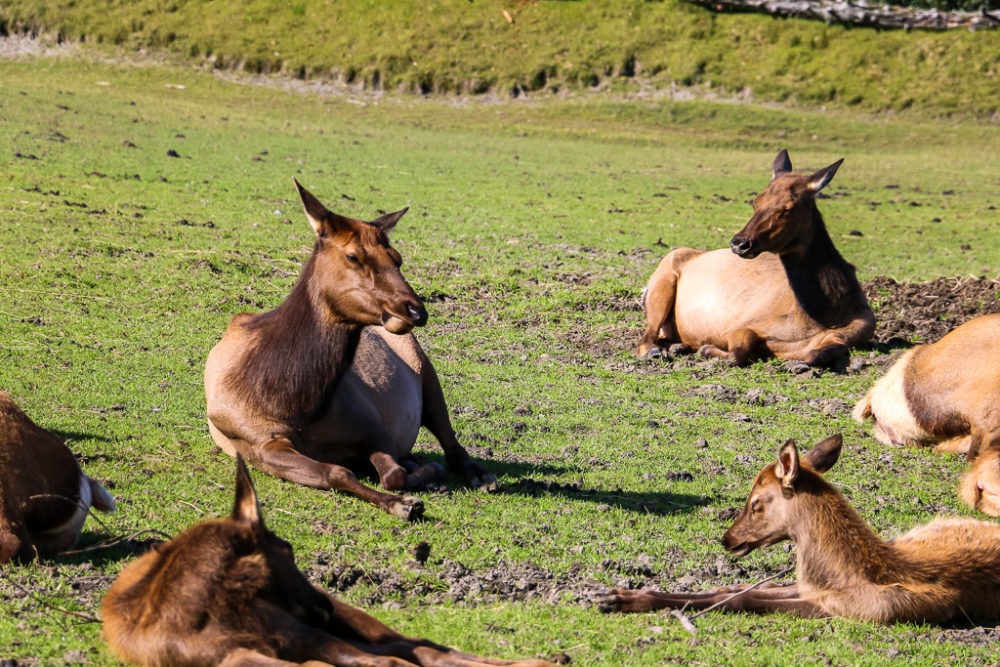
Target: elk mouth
[[739, 550], [416, 316]]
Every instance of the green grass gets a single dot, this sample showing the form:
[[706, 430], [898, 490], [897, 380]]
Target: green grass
[[533, 226], [469, 46]]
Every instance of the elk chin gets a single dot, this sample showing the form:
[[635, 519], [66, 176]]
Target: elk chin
[[396, 325]]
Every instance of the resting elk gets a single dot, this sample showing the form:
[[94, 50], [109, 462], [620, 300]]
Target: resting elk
[[227, 592], [947, 569], [784, 290], [44, 496], [944, 570], [947, 394], [332, 377]]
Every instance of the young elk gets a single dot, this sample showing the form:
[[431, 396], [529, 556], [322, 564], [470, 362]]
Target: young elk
[[227, 591], [44, 496], [784, 290], [332, 377], [947, 569], [946, 393]]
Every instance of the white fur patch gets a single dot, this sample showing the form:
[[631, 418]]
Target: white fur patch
[[886, 402]]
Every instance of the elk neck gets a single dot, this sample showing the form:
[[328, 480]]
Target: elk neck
[[297, 354], [824, 282], [836, 548]]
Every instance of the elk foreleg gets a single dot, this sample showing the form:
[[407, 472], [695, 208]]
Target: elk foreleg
[[279, 457], [658, 303], [764, 599], [408, 474], [376, 636], [826, 347], [740, 347], [436, 420]]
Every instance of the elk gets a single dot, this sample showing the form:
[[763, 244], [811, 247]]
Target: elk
[[333, 377], [783, 291], [947, 569], [227, 591], [44, 496], [946, 394]]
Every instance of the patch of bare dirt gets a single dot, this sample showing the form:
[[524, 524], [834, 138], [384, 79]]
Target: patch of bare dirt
[[907, 312]]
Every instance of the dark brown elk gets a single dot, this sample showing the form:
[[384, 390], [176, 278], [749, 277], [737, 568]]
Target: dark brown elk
[[947, 569], [332, 377], [227, 591], [946, 394], [44, 496], [784, 290]]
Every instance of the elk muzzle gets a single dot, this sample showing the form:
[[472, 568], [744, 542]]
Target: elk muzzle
[[414, 315], [744, 247]]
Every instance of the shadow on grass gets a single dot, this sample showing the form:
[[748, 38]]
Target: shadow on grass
[[74, 436], [647, 502]]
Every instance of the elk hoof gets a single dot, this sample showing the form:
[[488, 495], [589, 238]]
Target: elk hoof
[[612, 600], [677, 349], [653, 354], [407, 508], [797, 367]]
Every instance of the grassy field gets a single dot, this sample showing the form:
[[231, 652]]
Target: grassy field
[[470, 46], [533, 226]]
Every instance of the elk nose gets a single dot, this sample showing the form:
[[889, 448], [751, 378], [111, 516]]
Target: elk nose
[[417, 313], [740, 245]]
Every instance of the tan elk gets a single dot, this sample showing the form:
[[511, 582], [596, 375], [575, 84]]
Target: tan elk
[[44, 496], [227, 591], [947, 569], [946, 394], [784, 290], [333, 377]]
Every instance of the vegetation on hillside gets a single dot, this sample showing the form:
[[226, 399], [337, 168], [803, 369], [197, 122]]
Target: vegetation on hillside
[[512, 48]]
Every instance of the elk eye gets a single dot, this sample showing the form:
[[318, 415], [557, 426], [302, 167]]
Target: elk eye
[[755, 505], [352, 258]]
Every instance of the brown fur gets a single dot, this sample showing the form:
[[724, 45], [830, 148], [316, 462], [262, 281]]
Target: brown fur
[[947, 569], [783, 291], [332, 377], [946, 394], [979, 487], [227, 591], [44, 496]]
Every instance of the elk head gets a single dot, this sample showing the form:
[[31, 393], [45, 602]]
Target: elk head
[[767, 517], [783, 219], [266, 561], [980, 485], [356, 271]]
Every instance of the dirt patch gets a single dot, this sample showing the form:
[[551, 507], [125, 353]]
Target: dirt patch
[[923, 312]]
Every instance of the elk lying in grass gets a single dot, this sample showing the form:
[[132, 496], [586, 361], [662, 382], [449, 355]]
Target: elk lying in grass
[[308, 388], [227, 591], [44, 496], [947, 569], [945, 394], [784, 290]]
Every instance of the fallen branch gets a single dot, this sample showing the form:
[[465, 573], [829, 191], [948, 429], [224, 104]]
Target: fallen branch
[[687, 621]]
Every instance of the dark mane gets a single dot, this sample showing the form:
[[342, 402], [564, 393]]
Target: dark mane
[[823, 281], [295, 359]]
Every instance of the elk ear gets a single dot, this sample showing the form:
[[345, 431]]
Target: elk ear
[[389, 220], [787, 468], [821, 178], [246, 509], [315, 211], [824, 454], [782, 165]]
